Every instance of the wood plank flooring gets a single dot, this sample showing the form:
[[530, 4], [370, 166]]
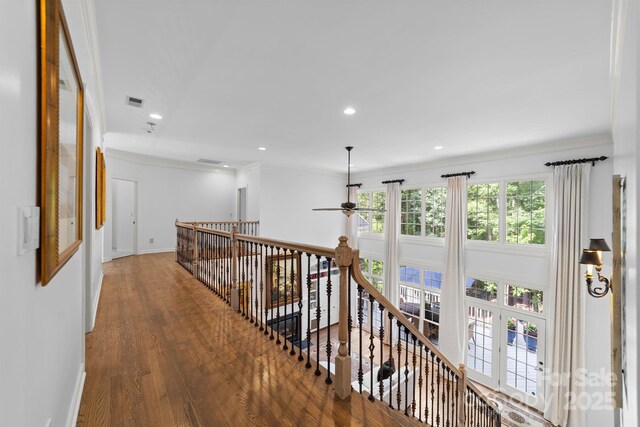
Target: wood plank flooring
[[167, 352]]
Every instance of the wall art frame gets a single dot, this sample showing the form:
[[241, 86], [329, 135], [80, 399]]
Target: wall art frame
[[61, 108]]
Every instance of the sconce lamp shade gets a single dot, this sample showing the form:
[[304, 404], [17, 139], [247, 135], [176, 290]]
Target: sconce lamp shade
[[590, 257], [598, 245]]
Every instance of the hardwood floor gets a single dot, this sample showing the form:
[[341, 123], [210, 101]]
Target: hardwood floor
[[167, 352]]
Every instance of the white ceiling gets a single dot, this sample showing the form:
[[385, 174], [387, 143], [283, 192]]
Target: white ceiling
[[468, 75]]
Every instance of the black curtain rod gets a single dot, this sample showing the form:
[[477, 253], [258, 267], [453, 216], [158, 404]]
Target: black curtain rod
[[354, 185], [393, 180], [593, 161], [449, 175]]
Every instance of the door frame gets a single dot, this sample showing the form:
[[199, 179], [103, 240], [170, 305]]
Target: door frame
[[135, 213]]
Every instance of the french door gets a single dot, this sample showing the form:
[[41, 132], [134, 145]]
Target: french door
[[505, 351]]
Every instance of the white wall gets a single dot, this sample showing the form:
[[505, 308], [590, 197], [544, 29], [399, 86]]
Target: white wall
[[41, 328], [502, 262], [166, 193], [249, 178], [626, 138], [287, 197]]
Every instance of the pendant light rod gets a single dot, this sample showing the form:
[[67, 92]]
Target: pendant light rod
[[348, 171]]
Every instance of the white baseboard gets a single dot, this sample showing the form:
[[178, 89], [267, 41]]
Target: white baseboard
[[156, 251], [94, 304], [74, 408]]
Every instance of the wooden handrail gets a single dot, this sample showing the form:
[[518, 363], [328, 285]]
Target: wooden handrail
[[298, 247], [192, 223], [213, 231], [356, 273]]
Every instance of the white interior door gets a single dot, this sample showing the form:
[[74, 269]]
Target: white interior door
[[124, 218], [242, 204]]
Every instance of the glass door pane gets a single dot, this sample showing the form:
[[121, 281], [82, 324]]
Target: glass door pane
[[523, 358], [481, 345]]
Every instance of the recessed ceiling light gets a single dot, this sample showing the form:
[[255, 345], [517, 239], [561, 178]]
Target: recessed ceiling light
[[225, 166], [439, 147], [155, 116], [349, 111], [262, 148]]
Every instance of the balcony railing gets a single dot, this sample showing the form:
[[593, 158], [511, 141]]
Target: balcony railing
[[315, 303]]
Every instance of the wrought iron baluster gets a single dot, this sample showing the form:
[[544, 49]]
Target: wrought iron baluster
[[294, 288], [434, 374], [438, 377], [328, 379], [420, 386], [269, 272], [360, 319], [372, 347], [398, 392], [391, 358], [318, 313], [285, 276], [256, 307], [406, 372], [308, 364], [247, 284], [261, 270], [447, 372], [381, 337], [278, 296], [443, 396], [413, 374]]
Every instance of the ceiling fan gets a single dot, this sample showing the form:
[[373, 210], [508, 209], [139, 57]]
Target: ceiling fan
[[348, 208]]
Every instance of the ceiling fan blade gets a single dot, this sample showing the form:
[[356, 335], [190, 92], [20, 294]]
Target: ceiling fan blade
[[369, 210], [328, 209]]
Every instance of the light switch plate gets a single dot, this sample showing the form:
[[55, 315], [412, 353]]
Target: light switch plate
[[28, 229]]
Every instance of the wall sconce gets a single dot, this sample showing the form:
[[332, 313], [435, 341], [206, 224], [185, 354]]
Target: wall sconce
[[593, 257]]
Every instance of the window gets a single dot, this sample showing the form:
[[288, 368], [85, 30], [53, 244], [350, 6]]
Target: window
[[435, 211], [482, 289], [364, 217], [433, 279], [377, 222], [371, 222], [482, 212], [411, 212], [523, 298], [526, 212]]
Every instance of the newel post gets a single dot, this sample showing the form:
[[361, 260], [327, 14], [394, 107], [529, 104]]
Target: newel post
[[462, 391], [344, 258], [235, 293]]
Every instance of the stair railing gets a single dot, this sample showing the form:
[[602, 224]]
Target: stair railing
[[298, 294]]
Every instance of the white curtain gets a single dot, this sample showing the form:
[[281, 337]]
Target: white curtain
[[391, 238], [351, 227], [571, 193], [453, 326]]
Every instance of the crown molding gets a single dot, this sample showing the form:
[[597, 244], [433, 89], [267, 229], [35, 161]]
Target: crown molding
[[603, 140], [91, 32], [144, 159]]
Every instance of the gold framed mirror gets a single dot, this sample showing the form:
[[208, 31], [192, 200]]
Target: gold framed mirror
[[61, 116]]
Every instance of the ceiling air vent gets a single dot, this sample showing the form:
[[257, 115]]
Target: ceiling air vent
[[209, 161], [135, 102]]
